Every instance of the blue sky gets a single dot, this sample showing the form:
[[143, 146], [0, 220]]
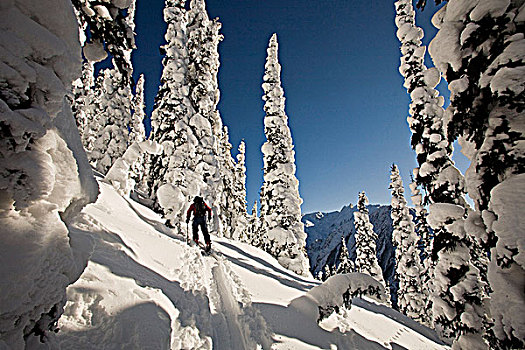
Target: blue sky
[[345, 101]]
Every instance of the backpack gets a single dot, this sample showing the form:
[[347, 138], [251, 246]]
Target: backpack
[[200, 208]]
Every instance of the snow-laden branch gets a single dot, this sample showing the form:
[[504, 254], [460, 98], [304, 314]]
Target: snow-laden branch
[[338, 291]]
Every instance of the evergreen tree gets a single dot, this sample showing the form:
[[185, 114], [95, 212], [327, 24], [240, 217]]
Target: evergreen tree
[[345, 264], [365, 242], [110, 29], [137, 133], [408, 269], [328, 272], [320, 276], [175, 174], [425, 244], [95, 111], [239, 196], [226, 187], [479, 50], [457, 288], [280, 200], [420, 221], [82, 105], [113, 119], [171, 115], [203, 66], [253, 228]]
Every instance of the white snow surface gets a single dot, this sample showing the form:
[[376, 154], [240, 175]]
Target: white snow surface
[[145, 288]]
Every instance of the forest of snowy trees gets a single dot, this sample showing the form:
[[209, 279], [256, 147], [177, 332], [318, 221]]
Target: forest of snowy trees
[[459, 269]]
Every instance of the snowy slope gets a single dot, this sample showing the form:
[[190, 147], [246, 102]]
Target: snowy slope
[[144, 288]]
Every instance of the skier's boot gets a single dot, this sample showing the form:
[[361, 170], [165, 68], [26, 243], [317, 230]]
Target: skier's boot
[[208, 247], [196, 241]]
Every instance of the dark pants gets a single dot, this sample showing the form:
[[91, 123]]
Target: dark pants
[[202, 223]]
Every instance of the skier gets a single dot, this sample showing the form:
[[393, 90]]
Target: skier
[[199, 209]]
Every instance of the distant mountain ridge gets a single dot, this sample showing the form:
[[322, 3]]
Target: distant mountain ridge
[[324, 231]]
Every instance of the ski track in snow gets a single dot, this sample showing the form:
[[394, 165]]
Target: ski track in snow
[[228, 335]]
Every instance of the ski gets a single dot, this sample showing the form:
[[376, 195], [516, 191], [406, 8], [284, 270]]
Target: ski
[[203, 249]]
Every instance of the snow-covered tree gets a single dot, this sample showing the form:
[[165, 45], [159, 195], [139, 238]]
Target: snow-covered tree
[[426, 244], [457, 288], [226, 189], [479, 49], [345, 264], [45, 178], [420, 222], [113, 120], [110, 31], [203, 66], [137, 132], [280, 200], [185, 119], [411, 300], [82, 105], [175, 125], [239, 195], [105, 27], [328, 272], [365, 242], [170, 119], [253, 228], [121, 174]]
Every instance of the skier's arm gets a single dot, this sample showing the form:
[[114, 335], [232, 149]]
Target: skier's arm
[[209, 211]]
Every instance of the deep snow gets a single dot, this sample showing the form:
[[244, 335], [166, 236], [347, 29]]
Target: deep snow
[[144, 288]]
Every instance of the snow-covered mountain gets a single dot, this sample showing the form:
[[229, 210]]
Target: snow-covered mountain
[[145, 288], [326, 229]]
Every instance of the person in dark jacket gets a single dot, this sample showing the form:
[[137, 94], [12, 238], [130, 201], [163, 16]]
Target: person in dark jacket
[[199, 209]]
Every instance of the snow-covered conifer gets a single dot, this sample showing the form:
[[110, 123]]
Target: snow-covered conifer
[[226, 188], [328, 272], [425, 244], [137, 132], [457, 288], [420, 222], [365, 242], [82, 104], [280, 200], [239, 195], [203, 66], [121, 174], [253, 227], [176, 168], [479, 49], [113, 120], [110, 31], [45, 179], [172, 110], [408, 269], [201, 89], [345, 264]]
